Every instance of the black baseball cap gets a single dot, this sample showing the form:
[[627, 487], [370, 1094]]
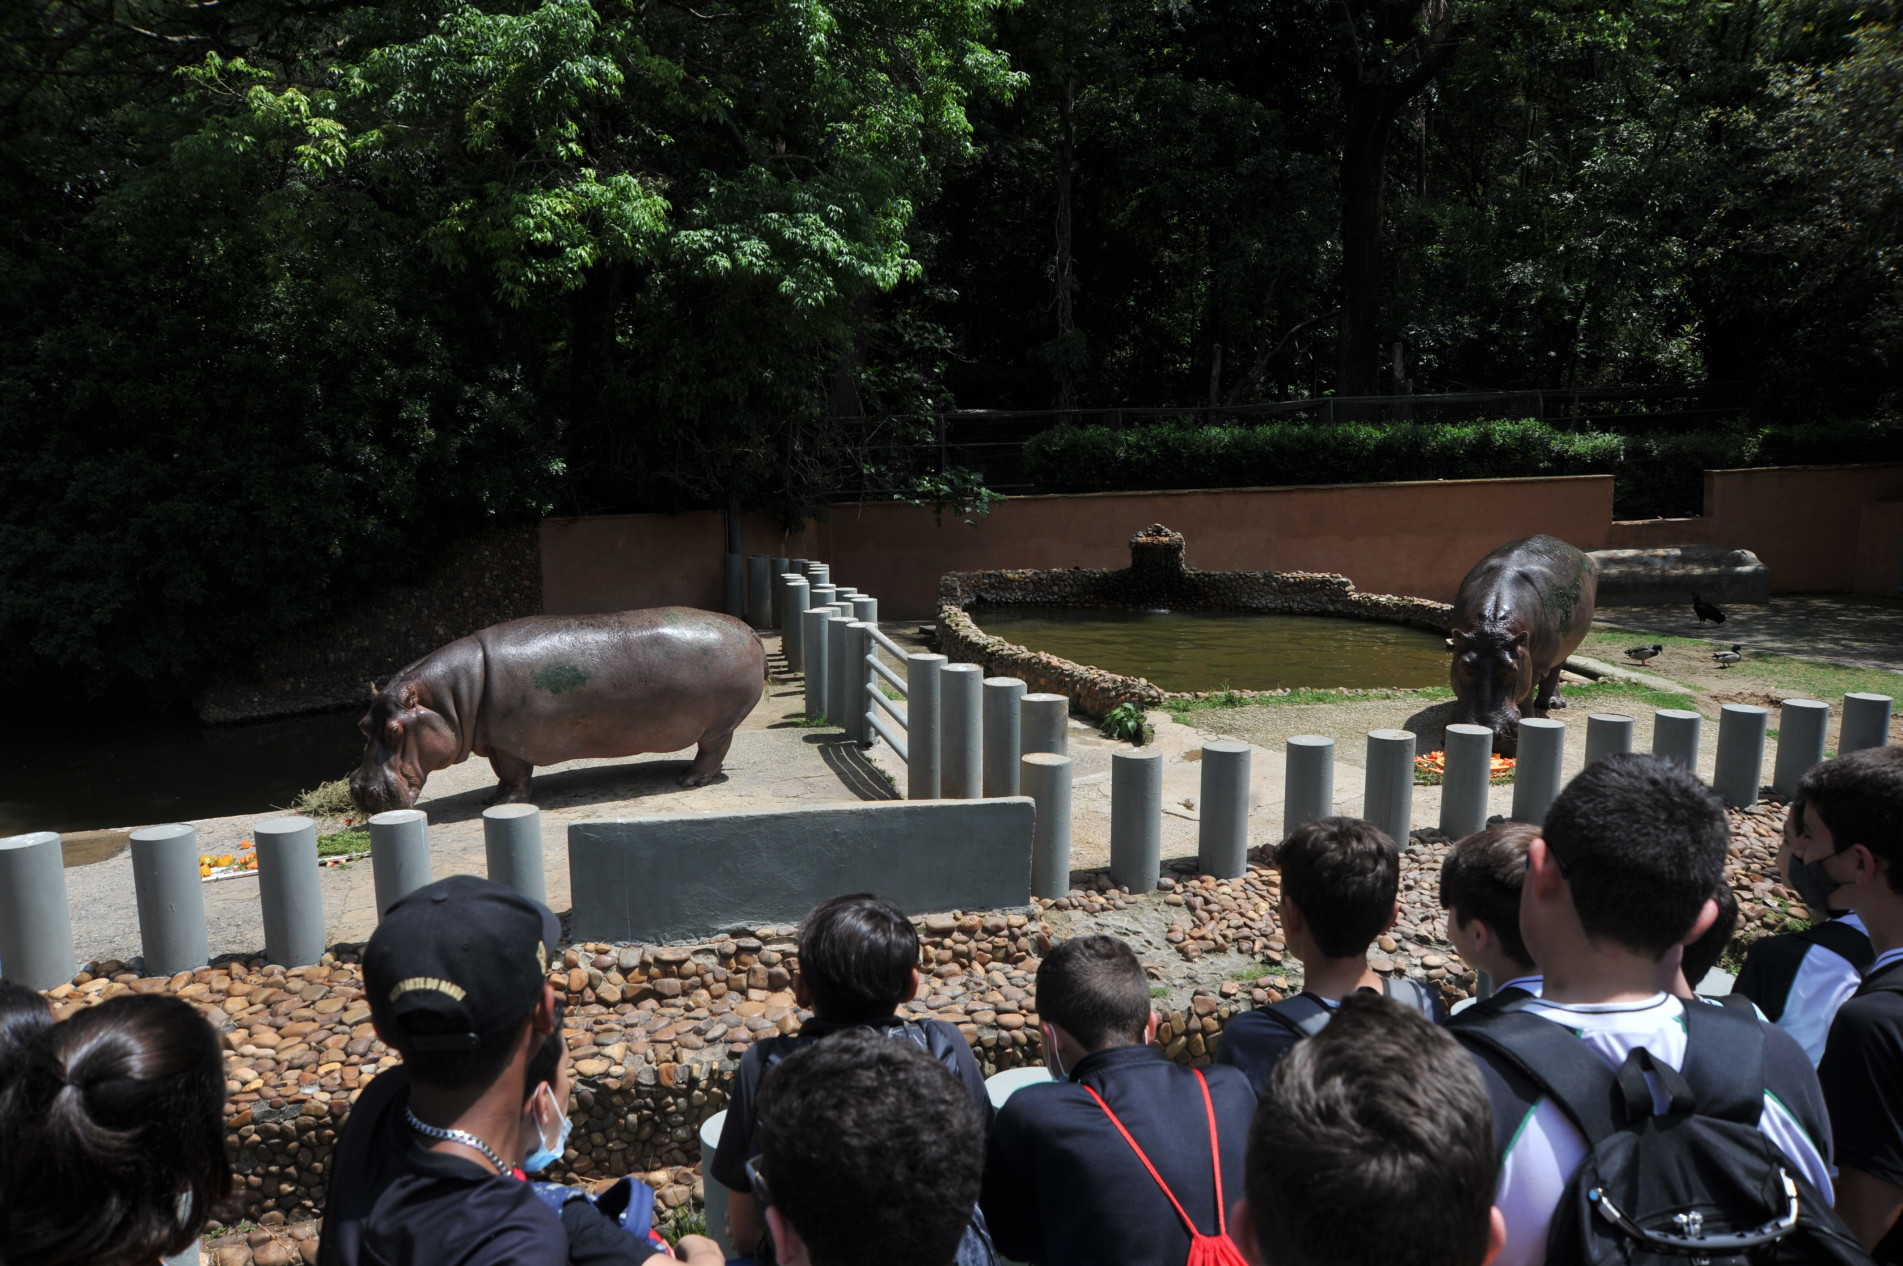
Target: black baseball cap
[[468, 951]]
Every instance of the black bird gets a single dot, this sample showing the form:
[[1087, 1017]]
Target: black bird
[[1643, 654], [1727, 658], [1706, 611]]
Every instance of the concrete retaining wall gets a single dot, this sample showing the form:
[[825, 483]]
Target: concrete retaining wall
[[678, 877]]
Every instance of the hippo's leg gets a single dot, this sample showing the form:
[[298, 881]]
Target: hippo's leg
[[514, 774], [706, 766], [1547, 698]]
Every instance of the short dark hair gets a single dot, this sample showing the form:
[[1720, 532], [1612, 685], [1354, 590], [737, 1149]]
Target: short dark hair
[[1703, 954], [1094, 989], [1481, 879], [1860, 798], [871, 1149], [1373, 1146], [458, 1069], [545, 1060], [857, 955], [1342, 874], [1641, 842], [118, 1110]]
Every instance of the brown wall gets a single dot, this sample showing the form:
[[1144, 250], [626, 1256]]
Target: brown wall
[[1880, 549]]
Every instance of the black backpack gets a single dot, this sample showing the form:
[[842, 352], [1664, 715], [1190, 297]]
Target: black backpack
[[1697, 1183], [1305, 1015]]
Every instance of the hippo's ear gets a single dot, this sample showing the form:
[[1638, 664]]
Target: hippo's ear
[[1518, 641], [408, 698], [365, 728]]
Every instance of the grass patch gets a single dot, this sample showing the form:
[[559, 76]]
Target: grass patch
[[1159, 991], [1126, 722], [1254, 971], [1595, 696], [340, 843], [1181, 708], [1789, 673], [683, 1224], [326, 800], [806, 720]]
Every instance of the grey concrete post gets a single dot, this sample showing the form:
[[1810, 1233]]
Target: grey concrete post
[[844, 594], [171, 899], [858, 683], [1044, 723], [292, 900], [813, 630], [794, 595], [36, 925], [733, 585], [760, 591], [822, 573], [1675, 734], [1136, 818], [1866, 722], [865, 610], [1045, 777], [1389, 798], [921, 725], [1309, 785], [399, 855], [1801, 724], [1003, 696], [1222, 835], [1463, 788], [961, 729], [512, 839], [1607, 734], [1536, 773], [775, 573], [798, 566], [838, 674], [819, 596], [1740, 753]]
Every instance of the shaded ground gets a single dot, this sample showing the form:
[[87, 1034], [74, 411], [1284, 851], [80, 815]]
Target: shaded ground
[[1844, 628]]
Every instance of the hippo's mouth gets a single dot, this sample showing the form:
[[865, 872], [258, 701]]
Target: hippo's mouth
[[379, 790]]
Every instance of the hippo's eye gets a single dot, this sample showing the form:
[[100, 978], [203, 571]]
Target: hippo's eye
[[393, 731]]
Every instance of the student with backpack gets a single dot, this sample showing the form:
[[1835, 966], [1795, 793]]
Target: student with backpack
[[1480, 882], [1631, 1125], [1340, 889], [1372, 1147], [1853, 836], [1128, 1159], [1799, 979], [858, 964]]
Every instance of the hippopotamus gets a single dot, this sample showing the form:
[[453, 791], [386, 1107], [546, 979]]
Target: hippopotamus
[[551, 688], [1520, 612]]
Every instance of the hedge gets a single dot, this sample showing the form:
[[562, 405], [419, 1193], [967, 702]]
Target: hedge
[[1654, 475]]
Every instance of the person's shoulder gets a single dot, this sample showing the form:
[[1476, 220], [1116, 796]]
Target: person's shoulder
[[498, 1220], [1224, 1079], [1875, 1013]]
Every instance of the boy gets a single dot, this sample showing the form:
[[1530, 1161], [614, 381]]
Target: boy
[[871, 1152], [1622, 876], [1480, 889], [1064, 1184], [1340, 889], [1372, 1147], [1853, 835], [858, 966]]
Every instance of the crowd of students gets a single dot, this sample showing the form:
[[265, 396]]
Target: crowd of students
[[1592, 1108]]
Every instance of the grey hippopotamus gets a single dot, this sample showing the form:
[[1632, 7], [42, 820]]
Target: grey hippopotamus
[[1520, 612], [552, 688]]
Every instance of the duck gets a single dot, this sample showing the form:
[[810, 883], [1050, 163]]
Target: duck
[[1643, 654], [1727, 658], [1706, 611]]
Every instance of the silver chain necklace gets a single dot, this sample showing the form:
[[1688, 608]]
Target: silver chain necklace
[[455, 1136]]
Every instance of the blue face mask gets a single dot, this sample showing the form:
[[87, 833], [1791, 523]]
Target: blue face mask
[[537, 1161]]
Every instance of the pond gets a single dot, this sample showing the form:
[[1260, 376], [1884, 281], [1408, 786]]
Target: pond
[[101, 770], [1210, 650]]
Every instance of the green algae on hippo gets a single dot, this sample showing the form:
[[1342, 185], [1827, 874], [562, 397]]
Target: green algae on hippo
[[1520, 613], [553, 688]]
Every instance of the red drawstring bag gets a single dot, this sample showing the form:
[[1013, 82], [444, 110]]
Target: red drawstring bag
[[1204, 1250]]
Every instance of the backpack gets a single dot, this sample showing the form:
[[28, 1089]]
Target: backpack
[[1696, 1183], [1204, 1250], [1305, 1015], [1771, 965]]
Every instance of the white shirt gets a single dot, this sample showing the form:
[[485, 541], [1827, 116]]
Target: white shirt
[[1548, 1147], [1529, 983], [1824, 981]]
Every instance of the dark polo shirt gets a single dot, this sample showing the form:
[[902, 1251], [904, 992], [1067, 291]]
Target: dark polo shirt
[[1062, 1187]]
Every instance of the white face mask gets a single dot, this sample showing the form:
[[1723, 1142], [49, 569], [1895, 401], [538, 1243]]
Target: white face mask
[[537, 1161]]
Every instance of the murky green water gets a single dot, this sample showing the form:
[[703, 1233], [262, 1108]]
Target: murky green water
[[1208, 650]]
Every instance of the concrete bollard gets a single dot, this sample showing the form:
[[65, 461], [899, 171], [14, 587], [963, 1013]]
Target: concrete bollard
[[1740, 753], [1044, 723], [1389, 799], [733, 585], [961, 732], [1607, 734], [1866, 722], [760, 591], [845, 594], [1309, 786], [820, 572], [820, 594], [512, 838], [813, 629], [865, 610], [794, 597], [1136, 818], [775, 573], [1463, 788], [1222, 835], [1003, 753], [1675, 736], [858, 682], [1801, 725], [291, 899], [838, 672], [798, 566], [36, 924], [1536, 773], [921, 725], [171, 899], [1045, 777], [399, 855]]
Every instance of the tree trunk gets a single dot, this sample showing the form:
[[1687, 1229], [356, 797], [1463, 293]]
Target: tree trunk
[[1364, 152]]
